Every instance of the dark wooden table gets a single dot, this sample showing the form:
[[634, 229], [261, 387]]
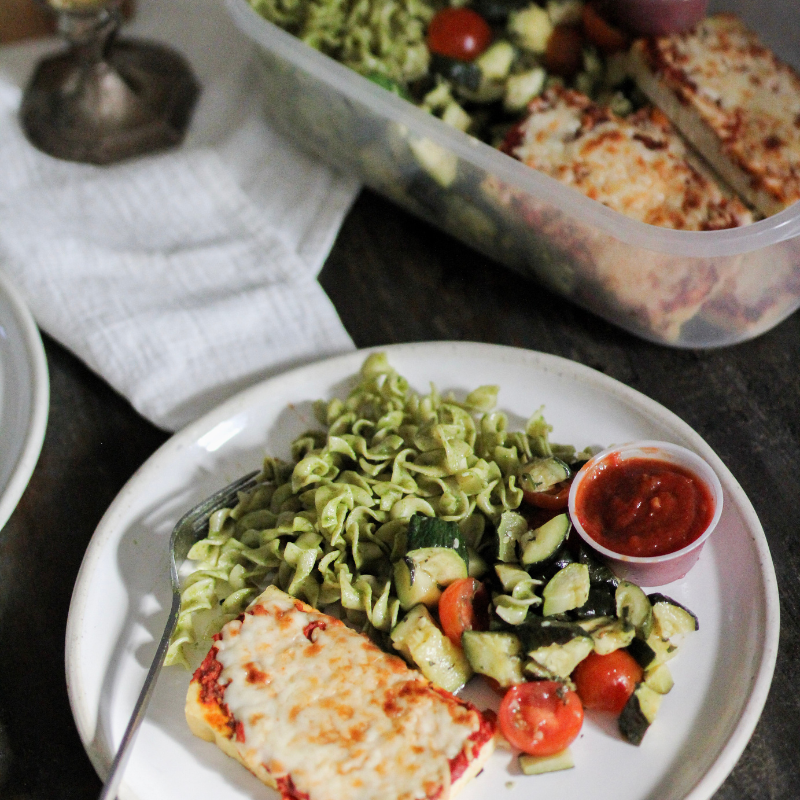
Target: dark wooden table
[[394, 279]]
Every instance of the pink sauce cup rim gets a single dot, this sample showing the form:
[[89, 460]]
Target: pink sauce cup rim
[[663, 451]]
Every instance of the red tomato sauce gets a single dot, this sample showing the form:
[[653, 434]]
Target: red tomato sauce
[[643, 506]]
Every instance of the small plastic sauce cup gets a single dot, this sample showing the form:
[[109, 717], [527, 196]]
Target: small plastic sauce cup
[[655, 570]]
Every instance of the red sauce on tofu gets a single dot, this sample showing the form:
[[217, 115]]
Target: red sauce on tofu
[[473, 745], [207, 675], [643, 506]]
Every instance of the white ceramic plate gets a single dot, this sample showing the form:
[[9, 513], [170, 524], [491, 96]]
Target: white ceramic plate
[[24, 397], [122, 594]]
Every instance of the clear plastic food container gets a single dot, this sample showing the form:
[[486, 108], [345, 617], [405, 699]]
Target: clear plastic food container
[[681, 288]]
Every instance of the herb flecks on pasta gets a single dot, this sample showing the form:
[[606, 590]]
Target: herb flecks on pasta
[[383, 37], [328, 527]]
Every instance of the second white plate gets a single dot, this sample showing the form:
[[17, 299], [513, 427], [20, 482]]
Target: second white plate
[[24, 397], [121, 597]]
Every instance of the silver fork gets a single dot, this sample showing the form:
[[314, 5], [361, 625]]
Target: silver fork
[[190, 528]]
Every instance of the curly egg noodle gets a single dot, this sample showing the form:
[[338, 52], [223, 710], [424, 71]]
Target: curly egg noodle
[[384, 37], [328, 527]]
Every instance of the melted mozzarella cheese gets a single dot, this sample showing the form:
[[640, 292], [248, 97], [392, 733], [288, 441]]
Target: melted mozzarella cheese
[[637, 165], [332, 711], [739, 89]]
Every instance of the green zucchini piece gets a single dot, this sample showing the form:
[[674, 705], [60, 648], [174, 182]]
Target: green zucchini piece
[[560, 559], [424, 531], [561, 659], [496, 61], [539, 673], [639, 713], [496, 654], [599, 573], [538, 765], [420, 576], [542, 543], [591, 624], [613, 635], [600, 603], [672, 621], [634, 607], [553, 647], [538, 632], [567, 589], [541, 474], [476, 564], [510, 529], [421, 642], [652, 651], [659, 679], [462, 74]]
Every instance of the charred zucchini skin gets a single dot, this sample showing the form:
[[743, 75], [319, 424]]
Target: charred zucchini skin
[[599, 573], [633, 605], [639, 713], [641, 651], [465, 74], [541, 544], [568, 589], [537, 632], [599, 604], [542, 473], [436, 555], [426, 531], [657, 599]]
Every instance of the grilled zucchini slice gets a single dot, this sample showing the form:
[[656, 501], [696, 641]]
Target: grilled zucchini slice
[[421, 642]]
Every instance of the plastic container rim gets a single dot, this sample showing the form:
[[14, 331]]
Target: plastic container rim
[[734, 241]]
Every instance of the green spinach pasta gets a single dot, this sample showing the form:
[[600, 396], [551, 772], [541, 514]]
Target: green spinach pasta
[[328, 526]]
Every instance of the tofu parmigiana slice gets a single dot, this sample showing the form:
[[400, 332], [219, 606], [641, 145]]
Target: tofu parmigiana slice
[[637, 165], [319, 712], [734, 101]]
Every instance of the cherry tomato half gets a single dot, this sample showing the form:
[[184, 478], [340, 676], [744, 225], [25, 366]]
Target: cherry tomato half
[[541, 717], [556, 498], [459, 33], [564, 54], [606, 682], [600, 32], [464, 606]]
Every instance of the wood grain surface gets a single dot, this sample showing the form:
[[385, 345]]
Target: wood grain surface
[[395, 279]]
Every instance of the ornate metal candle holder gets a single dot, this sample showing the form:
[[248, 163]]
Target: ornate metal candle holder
[[104, 99]]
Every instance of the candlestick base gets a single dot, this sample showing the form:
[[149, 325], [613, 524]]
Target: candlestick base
[[104, 100]]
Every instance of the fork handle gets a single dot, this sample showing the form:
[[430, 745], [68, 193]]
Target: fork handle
[[109, 791]]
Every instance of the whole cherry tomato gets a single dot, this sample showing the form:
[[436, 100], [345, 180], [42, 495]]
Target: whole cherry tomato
[[459, 33], [606, 682], [541, 717], [463, 606]]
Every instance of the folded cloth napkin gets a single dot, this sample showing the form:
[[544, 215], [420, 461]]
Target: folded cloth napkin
[[183, 276]]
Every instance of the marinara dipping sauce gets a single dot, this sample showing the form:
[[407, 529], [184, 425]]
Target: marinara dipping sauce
[[648, 507], [643, 506]]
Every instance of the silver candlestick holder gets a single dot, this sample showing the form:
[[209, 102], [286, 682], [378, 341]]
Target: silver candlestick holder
[[105, 99]]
